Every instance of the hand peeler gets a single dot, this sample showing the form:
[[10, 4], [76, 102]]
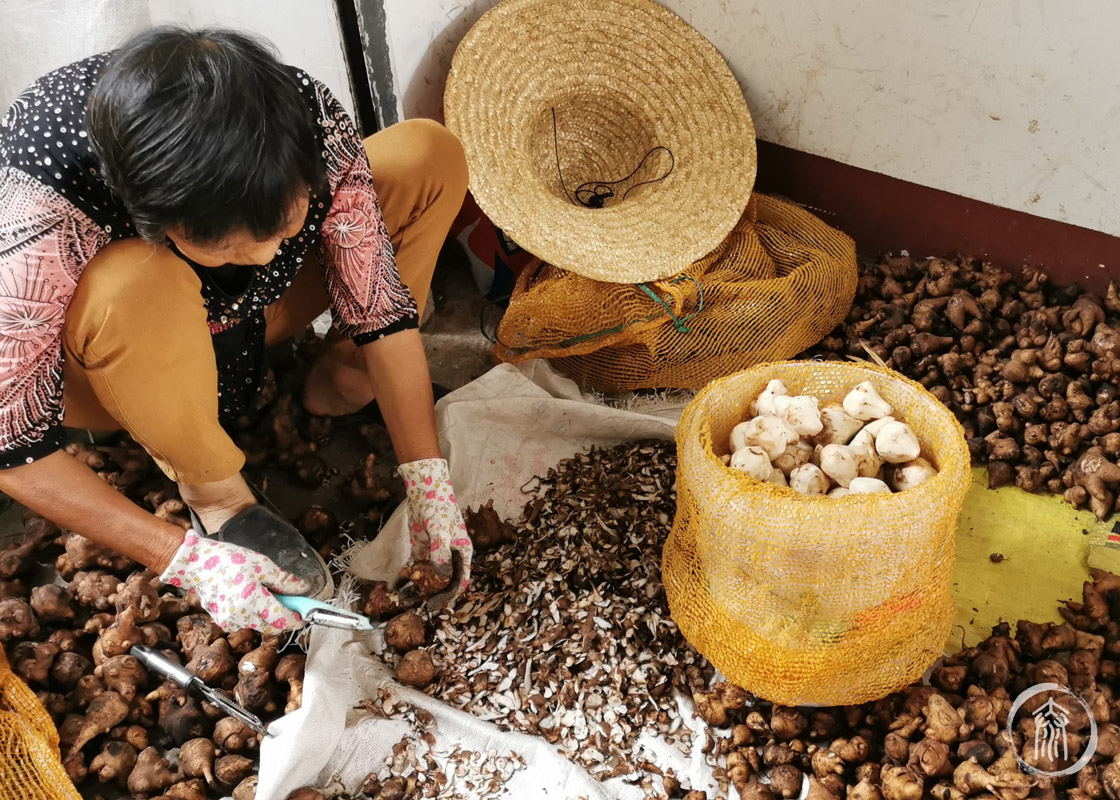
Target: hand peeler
[[158, 663], [316, 612]]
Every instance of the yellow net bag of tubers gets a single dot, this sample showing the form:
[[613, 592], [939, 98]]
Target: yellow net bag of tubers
[[778, 284], [30, 768], [813, 600]]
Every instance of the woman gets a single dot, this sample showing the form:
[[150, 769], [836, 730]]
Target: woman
[[167, 211]]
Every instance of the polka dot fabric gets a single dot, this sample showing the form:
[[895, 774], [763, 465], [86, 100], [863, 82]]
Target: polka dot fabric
[[234, 584], [56, 212]]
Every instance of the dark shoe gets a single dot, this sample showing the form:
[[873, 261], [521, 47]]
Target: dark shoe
[[261, 528]]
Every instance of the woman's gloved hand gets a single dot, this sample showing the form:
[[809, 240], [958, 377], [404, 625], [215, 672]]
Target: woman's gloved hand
[[436, 526], [234, 584]]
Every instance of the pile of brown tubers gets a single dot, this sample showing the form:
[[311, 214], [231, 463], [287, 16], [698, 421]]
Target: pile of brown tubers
[[118, 724], [1029, 369], [947, 740], [124, 732]]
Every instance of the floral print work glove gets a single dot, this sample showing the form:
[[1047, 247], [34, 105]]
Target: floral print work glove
[[436, 526], [234, 584]]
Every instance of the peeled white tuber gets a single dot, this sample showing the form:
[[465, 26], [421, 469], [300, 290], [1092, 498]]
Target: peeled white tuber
[[772, 434], [896, 443], [837, 425], [840, 491], [911, 474], [777, 477], [738, 439], [877, 425], [753, 461], [808, 479], [764, 403], [838, 463], [803, 414], [795, 454], [864, 403], [868, 462], [868, 486]]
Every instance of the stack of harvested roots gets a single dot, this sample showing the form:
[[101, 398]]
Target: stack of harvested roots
[[116, 722], [1029, 369], [948, 740], [120, 727]]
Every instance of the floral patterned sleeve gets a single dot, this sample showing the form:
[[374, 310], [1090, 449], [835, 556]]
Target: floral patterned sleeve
[[44, 244], [368, 299]]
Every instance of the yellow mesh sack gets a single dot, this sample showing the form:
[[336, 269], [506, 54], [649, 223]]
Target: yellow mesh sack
[[30, 768], [813, 600], [778, 284]]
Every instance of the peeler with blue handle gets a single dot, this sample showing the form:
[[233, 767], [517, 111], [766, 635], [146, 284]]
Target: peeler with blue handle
[[316, 612]]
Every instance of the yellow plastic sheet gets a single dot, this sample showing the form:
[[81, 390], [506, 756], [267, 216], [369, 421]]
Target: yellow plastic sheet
[[1046, 546]]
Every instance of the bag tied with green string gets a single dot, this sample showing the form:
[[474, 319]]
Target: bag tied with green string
[[777, 284]]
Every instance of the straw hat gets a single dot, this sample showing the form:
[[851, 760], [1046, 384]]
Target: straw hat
[[561, 104]]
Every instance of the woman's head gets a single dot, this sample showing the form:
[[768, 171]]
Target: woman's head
[[205, 138]]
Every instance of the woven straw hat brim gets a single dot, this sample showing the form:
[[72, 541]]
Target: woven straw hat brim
[[624, 77]]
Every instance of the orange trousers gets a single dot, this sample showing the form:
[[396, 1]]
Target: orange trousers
[[137, 351]]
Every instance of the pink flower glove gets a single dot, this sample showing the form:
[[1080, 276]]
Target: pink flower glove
[[436, 526], [233, 584]]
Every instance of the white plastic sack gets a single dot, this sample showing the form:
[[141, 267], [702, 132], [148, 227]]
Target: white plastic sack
[[497, 432]]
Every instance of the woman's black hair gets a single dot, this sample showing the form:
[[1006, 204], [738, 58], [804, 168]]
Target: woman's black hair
[[204, 132]]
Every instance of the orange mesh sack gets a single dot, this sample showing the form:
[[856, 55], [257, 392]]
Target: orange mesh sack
[[777, 284], [30, 768], [813, 600]]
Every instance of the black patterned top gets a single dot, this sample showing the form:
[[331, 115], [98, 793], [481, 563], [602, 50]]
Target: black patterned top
[[56, 213]]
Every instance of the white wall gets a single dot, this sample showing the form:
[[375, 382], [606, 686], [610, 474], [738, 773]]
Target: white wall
[[305, 31], [38, 37], [1013, 102]]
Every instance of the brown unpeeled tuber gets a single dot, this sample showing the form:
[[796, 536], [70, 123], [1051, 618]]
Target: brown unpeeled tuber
[[900, 783], [94, 589], [247, 789], [69, 668], [306, 793], [426, 578], [139, 594], [32, 661], [191, 789], [364, 487], [196, 759], [212, 662], [114, 763], [416, 669], [82, 554], [486, 529], [122, 674], [231, 770], [17, 620], [196, 630], [786, 780], [52, 604], [183, 721], [255, 689], [289, 670], [405, 632], [105, 712], [231, 735], [151, 775], [378, 602]]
